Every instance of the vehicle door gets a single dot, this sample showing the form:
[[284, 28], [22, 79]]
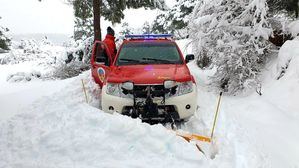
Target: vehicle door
[[100, 62]]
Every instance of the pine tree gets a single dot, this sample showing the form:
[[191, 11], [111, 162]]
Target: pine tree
[[111, 10], [126, 29], [233, 35], [83, 19], [175, 20], [161, 24], [146, 28]]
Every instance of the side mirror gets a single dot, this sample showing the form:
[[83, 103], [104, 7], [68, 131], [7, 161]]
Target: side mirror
[[189, 57]]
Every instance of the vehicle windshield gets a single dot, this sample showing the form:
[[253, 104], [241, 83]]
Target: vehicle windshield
[[149, 53]]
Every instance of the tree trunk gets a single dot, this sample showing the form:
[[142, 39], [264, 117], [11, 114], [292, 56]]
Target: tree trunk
[[97, 19]]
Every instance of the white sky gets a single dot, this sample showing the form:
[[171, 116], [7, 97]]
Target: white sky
[[32, 16], [54, 16]]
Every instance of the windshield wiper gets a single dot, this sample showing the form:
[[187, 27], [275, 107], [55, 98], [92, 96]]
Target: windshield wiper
[[156, 59], [129, 60]]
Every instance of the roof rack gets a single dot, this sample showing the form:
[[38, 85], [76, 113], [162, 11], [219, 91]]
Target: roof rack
[[149, 36]]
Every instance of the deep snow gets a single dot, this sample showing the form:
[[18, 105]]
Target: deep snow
[[63, 131], [48, 124]]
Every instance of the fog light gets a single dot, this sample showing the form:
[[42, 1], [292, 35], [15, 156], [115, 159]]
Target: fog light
[[188, 106], [111, 108]]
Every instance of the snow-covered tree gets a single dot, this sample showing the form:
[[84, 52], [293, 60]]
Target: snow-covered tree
[[89, 12], [286, 6], [83, 19], [146, 28], [4, 39], [126, 29], [233, 35], [161, 24], [176, 19]]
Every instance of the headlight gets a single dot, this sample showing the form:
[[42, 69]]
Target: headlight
[[115, 89], [184, 88], [181, 88]]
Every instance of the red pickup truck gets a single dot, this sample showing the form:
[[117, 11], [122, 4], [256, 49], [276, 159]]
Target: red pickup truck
[[148, 79]]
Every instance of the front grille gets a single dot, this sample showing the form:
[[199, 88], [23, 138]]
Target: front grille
[[163, 111], [141, 91], [149, 103]]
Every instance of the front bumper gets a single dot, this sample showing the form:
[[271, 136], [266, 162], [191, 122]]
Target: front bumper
[[180, 103]]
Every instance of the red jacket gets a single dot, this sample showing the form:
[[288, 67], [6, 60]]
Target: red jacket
[[109, 41]]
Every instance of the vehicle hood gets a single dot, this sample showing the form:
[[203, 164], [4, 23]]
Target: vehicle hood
[[149, 74]]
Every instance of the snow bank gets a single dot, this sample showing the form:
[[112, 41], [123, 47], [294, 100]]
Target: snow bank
[[293, 27], [62, 131], [286, 78], [22, 76], [273, 118], [288, 60], [31, 50], [14, 96], [82, 136]]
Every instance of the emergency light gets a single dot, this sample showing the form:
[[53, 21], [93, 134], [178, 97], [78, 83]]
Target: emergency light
[[148, 36]]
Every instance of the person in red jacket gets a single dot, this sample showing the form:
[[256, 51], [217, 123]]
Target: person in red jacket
[[110, 42]]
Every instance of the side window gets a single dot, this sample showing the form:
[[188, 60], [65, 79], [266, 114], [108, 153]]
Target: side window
[[101, 55]]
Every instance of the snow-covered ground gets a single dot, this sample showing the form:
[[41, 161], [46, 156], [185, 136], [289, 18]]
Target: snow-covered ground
[[49, 124]]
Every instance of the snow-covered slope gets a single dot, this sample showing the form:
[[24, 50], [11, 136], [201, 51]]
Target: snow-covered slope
[[56, 128], [260, 127], [267, 123]]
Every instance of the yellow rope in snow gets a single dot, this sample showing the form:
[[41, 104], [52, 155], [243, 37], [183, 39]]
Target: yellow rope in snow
[[216, 115], [84, 90]]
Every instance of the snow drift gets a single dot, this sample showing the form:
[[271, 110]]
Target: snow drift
[[62, 131], [288, 60]]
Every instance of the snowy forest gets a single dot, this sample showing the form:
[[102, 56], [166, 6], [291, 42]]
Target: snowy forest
[[235, 38], [50, 105]]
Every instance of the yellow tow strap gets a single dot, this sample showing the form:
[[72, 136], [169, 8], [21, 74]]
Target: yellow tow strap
[[188, 137]]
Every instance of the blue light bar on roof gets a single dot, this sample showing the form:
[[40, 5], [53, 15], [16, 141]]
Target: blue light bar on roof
[[148, 36]]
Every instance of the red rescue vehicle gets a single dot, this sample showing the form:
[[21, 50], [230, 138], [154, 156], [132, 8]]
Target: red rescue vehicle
[[148, 79]]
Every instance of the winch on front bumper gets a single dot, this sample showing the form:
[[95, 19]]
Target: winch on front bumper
[[150, 102]]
